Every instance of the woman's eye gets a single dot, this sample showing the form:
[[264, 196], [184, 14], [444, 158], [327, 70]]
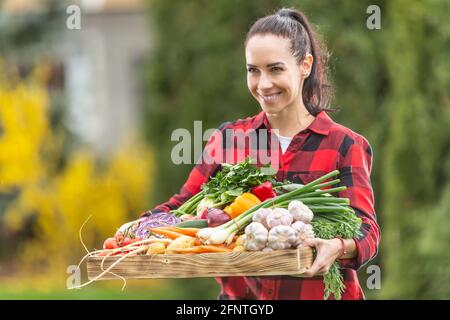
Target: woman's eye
[[276, 69], [251, 70]]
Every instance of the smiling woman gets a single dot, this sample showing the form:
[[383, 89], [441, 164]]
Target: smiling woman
[[286, 74]]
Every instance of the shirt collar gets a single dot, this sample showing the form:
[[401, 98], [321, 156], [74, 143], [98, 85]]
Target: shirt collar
[[320, 125], [259, 120]]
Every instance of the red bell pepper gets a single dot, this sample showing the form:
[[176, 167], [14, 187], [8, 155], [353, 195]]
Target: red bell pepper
[[264, 191]]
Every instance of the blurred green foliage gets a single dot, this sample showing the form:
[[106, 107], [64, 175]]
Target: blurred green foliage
[[19, 32], [174, 289], [391, 84]]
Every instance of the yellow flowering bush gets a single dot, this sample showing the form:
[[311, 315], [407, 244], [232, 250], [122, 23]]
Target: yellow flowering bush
[[59, 200]]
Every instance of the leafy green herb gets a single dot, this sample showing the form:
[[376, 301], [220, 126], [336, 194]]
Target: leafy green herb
[[233, 180], [328, 226], [229, 183]]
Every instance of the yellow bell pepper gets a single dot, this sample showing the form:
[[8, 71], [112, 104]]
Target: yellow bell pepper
[[241, 204]]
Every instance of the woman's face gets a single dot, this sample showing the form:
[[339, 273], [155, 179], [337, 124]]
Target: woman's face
[[273, 76]]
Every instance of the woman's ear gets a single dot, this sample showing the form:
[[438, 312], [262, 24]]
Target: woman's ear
[[306, 65]]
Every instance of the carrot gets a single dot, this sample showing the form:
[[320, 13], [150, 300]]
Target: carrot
[[188, 250], [186, 231], [231, 245], [167, 233]]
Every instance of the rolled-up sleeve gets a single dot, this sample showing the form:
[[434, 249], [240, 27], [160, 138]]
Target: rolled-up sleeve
[[355, 167]]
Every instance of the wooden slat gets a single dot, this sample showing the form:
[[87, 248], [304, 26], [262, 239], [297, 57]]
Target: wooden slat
[[282, 262]]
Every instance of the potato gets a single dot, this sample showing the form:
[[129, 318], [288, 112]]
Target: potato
[[240, 240], [156, 248], [182, 242]]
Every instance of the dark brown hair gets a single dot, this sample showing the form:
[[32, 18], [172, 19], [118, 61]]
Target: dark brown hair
[[293, 25]]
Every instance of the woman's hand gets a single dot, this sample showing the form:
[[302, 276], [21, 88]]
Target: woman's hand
[[327, 252]]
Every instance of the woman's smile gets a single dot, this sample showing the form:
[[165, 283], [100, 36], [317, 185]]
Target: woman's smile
[[270, 98]]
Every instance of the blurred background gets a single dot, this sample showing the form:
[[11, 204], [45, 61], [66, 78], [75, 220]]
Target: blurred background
[[88, 105]]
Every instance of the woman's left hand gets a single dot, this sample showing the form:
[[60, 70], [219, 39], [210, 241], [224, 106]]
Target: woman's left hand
[[327, 252]]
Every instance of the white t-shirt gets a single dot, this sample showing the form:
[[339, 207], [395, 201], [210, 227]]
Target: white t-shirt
[[284, 142]]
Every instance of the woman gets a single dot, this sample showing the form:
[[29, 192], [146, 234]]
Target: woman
[[286, 74]]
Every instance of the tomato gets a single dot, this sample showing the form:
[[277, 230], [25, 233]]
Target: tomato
[[137, 239], [126, 242], [119, 238], [110, 243]]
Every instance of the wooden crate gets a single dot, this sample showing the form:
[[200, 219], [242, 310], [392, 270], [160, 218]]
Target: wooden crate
[[281, 262]]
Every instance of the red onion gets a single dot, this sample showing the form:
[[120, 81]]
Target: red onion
[[217, 217]]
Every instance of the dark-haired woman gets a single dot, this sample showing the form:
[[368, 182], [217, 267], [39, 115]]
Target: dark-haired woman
[[286, 74]]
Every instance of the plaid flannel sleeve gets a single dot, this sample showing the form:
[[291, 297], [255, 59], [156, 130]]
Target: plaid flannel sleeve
[[355, 167], [205, 167]]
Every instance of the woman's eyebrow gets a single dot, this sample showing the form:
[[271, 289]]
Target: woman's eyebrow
[[274, 64], [269, 65]]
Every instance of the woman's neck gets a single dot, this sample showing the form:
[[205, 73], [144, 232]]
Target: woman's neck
[[291, 120]]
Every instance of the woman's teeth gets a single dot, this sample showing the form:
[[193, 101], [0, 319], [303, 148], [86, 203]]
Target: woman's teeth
[[271, 97]]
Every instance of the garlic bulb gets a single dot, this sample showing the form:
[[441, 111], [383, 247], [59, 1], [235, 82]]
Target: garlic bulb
[[300, 211], [282, 237], [261, 216], [255, 236], [303, 231], [279, 217]]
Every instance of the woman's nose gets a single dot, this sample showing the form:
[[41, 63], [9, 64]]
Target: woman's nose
[[264, 82]]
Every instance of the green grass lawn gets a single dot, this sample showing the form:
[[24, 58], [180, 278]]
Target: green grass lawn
[[180, 289]]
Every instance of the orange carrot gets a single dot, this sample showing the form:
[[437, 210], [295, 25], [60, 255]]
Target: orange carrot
[[231, 245], [188, 250], [186, 231], [167, 233]]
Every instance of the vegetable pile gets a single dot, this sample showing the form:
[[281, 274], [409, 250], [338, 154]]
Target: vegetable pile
[[230, 184], [332, 217], [243, 208]]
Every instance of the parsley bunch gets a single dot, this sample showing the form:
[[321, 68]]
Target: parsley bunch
[[345, 224], [233, 180]]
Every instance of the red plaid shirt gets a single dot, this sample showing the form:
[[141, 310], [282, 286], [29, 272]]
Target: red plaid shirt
[[323, 147]]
